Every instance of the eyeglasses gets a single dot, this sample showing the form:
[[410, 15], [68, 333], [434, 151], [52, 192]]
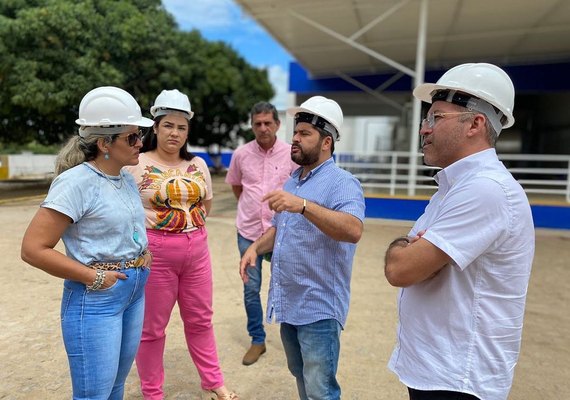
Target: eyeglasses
[[432, 118], [132, 138]]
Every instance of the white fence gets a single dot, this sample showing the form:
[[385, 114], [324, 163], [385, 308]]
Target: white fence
[[541, 175]]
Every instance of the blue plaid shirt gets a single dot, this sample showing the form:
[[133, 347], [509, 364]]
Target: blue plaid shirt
[[310, 272]]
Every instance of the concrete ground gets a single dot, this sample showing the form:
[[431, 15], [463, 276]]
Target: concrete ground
[[34, 364]]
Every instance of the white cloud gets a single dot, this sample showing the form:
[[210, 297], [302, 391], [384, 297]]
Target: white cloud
[[224, 19], [203, 14], [279, 78]]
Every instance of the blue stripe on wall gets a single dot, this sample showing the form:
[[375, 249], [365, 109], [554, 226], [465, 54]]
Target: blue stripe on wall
[[226, 157], [545, 216], [551, 77], [404, 209]]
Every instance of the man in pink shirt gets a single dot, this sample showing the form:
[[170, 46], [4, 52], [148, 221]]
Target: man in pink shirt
[[257, 168]]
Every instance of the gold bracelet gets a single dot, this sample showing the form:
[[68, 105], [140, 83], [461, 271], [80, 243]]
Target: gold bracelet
[[304, 206]]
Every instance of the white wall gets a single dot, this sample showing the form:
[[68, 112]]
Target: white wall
[[358, 134], [30, 166]]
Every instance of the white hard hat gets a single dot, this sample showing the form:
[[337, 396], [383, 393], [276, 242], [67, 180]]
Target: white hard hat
[[320, 106], [169, 101], [484, 81], [107, 109]]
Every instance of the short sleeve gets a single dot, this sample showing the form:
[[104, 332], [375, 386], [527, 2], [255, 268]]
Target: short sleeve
[[470, 221], [233, 176], [203, 167], [69, 196]]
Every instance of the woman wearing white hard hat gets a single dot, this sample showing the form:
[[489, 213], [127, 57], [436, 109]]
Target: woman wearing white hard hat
[[93, 206], [176, 191]]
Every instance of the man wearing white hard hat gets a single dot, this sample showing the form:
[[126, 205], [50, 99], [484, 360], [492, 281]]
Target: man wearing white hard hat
[[464, 267], [318, 221]]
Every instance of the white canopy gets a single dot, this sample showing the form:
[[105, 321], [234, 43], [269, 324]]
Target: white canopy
[[368, 36], [343, 38]]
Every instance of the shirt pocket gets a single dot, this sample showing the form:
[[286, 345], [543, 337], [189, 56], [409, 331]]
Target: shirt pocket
[[280, 172]]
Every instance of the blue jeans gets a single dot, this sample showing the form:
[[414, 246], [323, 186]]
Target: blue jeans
[[251, 297], [101, 332], [312, 357]]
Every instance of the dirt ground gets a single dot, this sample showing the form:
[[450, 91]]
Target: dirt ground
[[34, 365]]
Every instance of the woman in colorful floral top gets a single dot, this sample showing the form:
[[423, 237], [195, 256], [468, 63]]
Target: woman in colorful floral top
[[176, 191]]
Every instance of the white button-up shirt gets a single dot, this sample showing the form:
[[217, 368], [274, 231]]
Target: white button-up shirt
[[461, 330]]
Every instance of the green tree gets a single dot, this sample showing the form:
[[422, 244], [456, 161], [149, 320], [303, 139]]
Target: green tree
[[226, 89], [54, 51]]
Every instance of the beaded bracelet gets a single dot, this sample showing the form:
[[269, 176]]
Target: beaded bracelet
[[98, 282]]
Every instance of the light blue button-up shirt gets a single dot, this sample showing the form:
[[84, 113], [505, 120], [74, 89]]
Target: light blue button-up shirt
[[311, 272]]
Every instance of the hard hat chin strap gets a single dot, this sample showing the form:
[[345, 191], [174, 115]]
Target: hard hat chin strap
[[472, 103]]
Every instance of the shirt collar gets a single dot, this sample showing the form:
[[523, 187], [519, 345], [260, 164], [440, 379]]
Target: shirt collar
[[324, 165], [451, 174], [262, 150]]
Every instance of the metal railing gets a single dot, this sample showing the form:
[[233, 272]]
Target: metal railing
[[542, 176]]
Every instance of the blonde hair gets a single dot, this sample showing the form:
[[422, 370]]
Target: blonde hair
[[78, 150]]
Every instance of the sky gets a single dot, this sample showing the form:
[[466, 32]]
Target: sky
[[224, 20]]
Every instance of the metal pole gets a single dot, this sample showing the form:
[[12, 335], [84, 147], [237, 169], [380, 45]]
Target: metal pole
[[417, 107], [356, 45]]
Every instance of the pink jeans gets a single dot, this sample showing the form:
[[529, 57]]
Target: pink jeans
[[181, 271]]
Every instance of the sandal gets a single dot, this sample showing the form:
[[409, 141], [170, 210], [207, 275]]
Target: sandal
[[212, 395]]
